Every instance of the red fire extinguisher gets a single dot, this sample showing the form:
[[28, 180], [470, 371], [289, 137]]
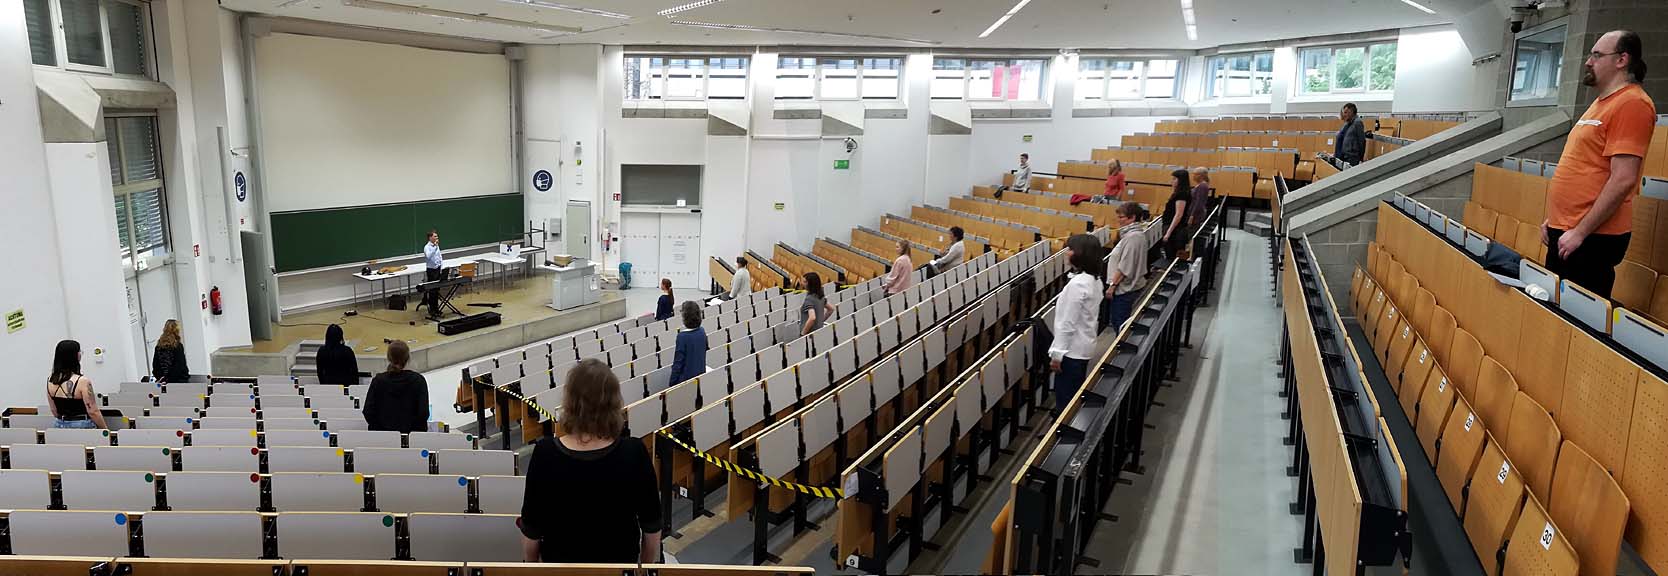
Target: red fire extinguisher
[[214, 301]]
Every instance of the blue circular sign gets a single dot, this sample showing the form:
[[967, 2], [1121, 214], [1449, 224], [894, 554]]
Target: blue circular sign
[[542, 180], [242, 186]]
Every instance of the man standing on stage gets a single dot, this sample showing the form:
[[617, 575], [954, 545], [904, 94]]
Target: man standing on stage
[[433, 271]]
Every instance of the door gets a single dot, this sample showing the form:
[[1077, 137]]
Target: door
[[257, 276], [680, 249], [577, 225]]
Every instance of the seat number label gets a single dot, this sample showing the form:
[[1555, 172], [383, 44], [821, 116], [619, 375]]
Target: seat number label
[[1442, 385], [1505, 467], [1405, 331], [1469, 420], [1546, 537], [1423, 354]]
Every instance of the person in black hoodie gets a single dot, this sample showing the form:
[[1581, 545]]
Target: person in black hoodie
[[398, 400], [335, 360], [168, 363]]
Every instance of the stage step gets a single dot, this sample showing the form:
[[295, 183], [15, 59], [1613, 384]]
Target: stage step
[[1262, 229], [1263, 218]]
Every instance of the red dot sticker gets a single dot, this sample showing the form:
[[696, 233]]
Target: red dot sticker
[[255, 451], [179, 433], [256, 478]]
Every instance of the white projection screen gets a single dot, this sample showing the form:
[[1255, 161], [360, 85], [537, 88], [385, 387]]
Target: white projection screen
[[350, 123]]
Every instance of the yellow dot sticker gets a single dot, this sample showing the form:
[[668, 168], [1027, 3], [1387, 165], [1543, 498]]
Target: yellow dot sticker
[[253, 433], [338, 452], [358, 478]]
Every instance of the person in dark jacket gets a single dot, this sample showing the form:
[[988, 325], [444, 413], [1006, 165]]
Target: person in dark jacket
[[335, 361], [168, 363], [690, 358], [1351, 143], [663, 308], [398, 400]]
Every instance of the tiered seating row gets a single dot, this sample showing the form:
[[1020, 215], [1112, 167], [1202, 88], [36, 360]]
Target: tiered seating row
[[182, 436], [880, 243], [83, 565], [1053, 224], [367, 459], [1484, 368], [1004, 237], [932, 235], [863, 266], [299, 490]]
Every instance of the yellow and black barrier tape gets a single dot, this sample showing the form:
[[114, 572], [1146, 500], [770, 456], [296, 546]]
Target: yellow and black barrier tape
[[733, 468]]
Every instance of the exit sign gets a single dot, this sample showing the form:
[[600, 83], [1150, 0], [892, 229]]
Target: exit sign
[[842, 164]]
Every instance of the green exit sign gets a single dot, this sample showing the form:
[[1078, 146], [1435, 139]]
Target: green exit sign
[[842, 164]]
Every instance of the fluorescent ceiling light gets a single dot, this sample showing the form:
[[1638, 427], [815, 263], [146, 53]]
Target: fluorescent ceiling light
[[1192, 32], [1190, 21], [456, 16], [1004, 19], [746, 28], [578, 9], [1421, 7], [687, 7], [289, 3]]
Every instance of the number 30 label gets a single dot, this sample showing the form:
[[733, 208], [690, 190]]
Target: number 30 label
[[1546, 537]]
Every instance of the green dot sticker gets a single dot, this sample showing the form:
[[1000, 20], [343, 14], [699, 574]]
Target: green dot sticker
[[166, 451], [106, 434], [387, 520], [149, 478]]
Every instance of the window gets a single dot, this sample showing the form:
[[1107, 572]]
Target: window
[[979, 79], [1240, 75], [837, 78], [107, 36], [1113, 79], [1359, 68], [136, 178], [685, 77], [1537, 65]]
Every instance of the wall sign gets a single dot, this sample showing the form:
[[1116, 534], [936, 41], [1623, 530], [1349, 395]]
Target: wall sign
[[842, 164], [780, 206], [15, 321], [542, 180], [241, 184], [1027, 137]]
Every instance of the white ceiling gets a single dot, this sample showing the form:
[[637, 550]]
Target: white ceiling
[[1088, 24]]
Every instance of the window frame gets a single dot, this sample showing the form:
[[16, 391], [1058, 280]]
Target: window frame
[[1301, 85], [132, 254], [664, 78], [60, 48], [817, 76], [967, 66], [1217, 82], [1144, 64]]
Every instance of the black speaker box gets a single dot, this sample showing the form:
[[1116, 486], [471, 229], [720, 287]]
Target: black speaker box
[[467, 323]]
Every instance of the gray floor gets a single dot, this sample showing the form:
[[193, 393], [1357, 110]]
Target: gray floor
[[1214, 498]]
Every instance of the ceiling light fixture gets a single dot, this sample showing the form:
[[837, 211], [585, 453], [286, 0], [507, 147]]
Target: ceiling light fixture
[[1190, 20], [746, 28], [565, 7], [1421, 7], [687, 7], [457, 16], [1004, 19], [288, 3]]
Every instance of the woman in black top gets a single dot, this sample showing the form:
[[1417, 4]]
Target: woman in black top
[[168, 363], [1175, 214], [398, 400], [73, 401], [335, 361], [591, 493], [663, 308]]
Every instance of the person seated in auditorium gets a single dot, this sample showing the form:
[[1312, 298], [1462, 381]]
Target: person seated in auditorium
[[168, 362], [398, 399], [815, 309], [1589, 202], [1127, 272], [901, 276], [433, 269], [1200, 201], [1175, 214], [335, 361], [690, 357], [663, 306], [742, 283], [952, 257], [591, 494], [1076, 313], [1350, 145], [74, 404], [1116, 183]]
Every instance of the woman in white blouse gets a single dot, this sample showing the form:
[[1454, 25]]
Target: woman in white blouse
[[1076, 315]]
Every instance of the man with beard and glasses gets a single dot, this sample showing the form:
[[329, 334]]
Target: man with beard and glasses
[[1589, 203]]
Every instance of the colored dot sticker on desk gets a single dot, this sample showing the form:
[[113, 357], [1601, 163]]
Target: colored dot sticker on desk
[[149, 478], [188, 421], [121, 519], [338, 450], [327, 435], [463, 481], [167, 451], [253, 433], [255, 451], [387, 520], [179, 433], [106, 433], [358, 478], [425, 453], [255, 478]]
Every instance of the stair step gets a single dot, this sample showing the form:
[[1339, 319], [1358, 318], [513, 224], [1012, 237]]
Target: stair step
[[1259, 217], [1259, 228], [300, 370]]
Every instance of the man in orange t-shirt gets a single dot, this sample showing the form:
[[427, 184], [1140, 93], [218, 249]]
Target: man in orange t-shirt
[[1589, 203]]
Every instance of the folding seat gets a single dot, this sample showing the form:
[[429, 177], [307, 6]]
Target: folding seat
[[229, 423], [77, 437], [186, 388], [237, 388], [210, 491], [227, 535], [305, 413], [220, 459], [117, 490], [224, 437], [26, 489], [68, 533], [440, 440], [304, 459], [475, 462], [1537, 546], [1533, 444], [342, 424], [1441, 338], [369, 439], [184, 400], [289, 424], [1496, 392], [464, 537], [339, 415], [285, 401], [49, 457], [156, 459], [1402, 340], [331, 401], [407, 493], [336, 535], [1634, 285], [371, 461], [1419, 316], [1435, 403], [176, 411], [219, 412], [245, 400], [318, 492], [1465, 359], [1591, 507], [1494, 496]]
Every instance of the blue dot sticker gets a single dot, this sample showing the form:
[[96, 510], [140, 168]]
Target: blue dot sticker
[[463, 481], [188, 420], [121, 519], [326, 434], [425, 453]]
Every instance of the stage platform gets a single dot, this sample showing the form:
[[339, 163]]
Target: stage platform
[[527, 318]]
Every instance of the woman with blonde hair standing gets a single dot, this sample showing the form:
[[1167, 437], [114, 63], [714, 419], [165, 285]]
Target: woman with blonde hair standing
[[901, 277], [168, 363]]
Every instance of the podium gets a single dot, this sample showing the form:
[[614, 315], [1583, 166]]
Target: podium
[[573, 285]]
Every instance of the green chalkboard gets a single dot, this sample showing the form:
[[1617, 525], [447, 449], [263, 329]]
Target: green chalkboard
[[308, 239]]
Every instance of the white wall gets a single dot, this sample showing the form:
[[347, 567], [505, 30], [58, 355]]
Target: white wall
[[1434, 73], [86, 229]]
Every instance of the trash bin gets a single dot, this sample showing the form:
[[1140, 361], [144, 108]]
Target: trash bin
[[625, 275]]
